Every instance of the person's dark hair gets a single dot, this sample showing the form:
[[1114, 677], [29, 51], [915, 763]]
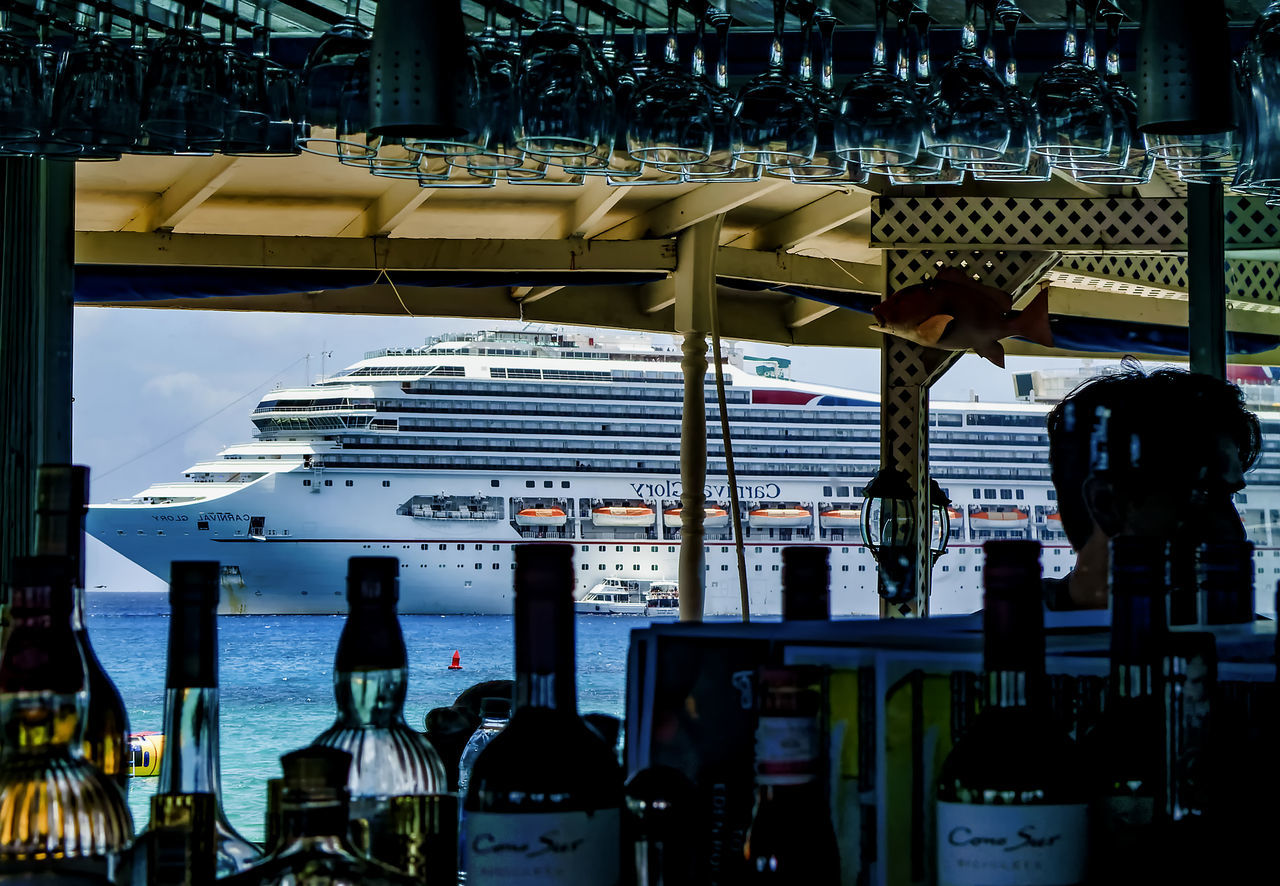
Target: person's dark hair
[[1167, 408]]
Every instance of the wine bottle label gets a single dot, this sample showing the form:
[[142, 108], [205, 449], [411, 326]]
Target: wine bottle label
[[542, 848], [1024, 845], [786, 750]]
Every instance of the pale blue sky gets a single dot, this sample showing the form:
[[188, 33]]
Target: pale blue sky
[[191, 378]]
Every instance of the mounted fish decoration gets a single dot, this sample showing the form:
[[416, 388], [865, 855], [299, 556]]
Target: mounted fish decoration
[[953, 312]]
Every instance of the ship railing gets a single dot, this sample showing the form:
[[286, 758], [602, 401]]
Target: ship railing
[[347, 408]]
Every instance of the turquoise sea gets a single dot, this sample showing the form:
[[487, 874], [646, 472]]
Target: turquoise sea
[[276, 680]]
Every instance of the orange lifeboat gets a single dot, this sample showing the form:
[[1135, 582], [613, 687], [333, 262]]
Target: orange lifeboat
[[780, 518], [840, 518], [619, 515], [541, 517], [713, 518], [1012, 520]]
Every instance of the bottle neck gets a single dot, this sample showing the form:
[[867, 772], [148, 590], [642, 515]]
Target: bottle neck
[[1013, 650], [371, 672], [324, 822], [494, 723], [545, 653], [42, 688], [189, 764], [1014, 688]]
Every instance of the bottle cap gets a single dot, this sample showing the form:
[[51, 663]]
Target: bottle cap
[[1011, 568], [544, 570], [495, 708], [316, 771], [42, 584], [806, 576], [1139, 565], [373, 580], [194, 583]]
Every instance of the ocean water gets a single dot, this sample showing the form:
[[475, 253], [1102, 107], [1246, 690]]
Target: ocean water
[[277, 686]]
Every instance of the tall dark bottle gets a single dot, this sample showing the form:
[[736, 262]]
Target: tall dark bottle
[[806, 583], [62, 497], [60, 816], [190, 763], [1014, 782], [370, 679], [1125, 751], [544, 801], [790, 839]]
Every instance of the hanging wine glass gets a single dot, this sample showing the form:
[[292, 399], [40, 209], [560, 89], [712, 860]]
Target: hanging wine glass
[[276, 133], [1020, 162], [827, 165], [20, 109], [928, 168], [241, 83], [182, 101], [564, 104], [1261, 74], [879, 120], [138, 57], [967, 117], [325, 78], [1075, 116], [671, 121], [723, 165], [613, 132], [497, 62], [98, 95], [353, 143], [773, 120], [1128, 162]]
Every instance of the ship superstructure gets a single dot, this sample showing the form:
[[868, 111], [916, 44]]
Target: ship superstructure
[[447, 455]]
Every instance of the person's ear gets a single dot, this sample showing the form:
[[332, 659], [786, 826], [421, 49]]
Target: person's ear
[[1105, 506]]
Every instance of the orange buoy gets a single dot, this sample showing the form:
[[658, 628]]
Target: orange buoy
[[456, 665]]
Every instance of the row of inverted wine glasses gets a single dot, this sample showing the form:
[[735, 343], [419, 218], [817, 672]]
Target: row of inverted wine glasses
[[99, 98]]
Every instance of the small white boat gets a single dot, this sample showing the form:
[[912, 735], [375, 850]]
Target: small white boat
[[780, 518], [1012, 520], [841, 518], [620, 596], [541, 517], [714, 518], [619, 515]]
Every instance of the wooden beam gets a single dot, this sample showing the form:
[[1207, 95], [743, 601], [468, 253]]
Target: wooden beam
[[185, 195], [799, 270], [657, 296], [585, 217], [803, 311], [703, 202], [811, 220], [530, 294], [362, 253], [389, 211]]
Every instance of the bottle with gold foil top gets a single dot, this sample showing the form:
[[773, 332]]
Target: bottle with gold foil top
[[370, 679], [181, 843], [62, 496], [314, 848], [189, 766], [60, 816]]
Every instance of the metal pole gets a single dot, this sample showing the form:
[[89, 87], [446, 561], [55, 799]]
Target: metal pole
[[1206, 279]]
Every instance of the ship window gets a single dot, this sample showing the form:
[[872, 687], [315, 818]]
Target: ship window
[[603, 549], [424, 547], [635, 549], [585, 548], [775, 550], [481, 565], [495, 547], [724, 567], [586, 566], [1006, 493], [654, 567], [444, 547], [1053, 495], [479, 547], [759, 568], [494, 483], [671, 549], [842, 490], [306, 482], [759, 550], [826, 490], [462, 547], [386, 483], [775, 567], [1018, 494], [601, 567], [141, 532], [353, 482], [564, 484], [618, 567], [200, 524], [528, 484], [844, 568], [946, 568], [328, 482], [862, 567], [161, 532], [619, 550], [961, 569], [635, 566], [546, 484]]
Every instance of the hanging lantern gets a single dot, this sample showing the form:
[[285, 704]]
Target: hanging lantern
[[420, 72], [1185, 70], [889, 531], [940, 520]]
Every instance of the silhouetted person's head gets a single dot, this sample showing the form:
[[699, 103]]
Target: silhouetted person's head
[[1178, 447]]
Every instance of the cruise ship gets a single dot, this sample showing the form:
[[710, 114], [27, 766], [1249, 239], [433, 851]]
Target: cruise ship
[[446, 456]]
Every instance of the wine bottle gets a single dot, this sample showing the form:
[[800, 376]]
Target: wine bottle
[[370, 679], [180, 843], [190, 763], [1011, 799], [60, 816], [314, 847], [62, 497], [790, 839], [662, 824], [544, 800], [1224, 582], [1125, 750], [806, 583]]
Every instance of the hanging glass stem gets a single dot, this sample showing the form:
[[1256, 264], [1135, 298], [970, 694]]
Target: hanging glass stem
[[698, 60], [969, 35], [1069, 38], [1090, 56], [904, 49], [924, 62], [1113, 19], [1010, 22], [826, 39], [879, 52], [775, 49], [989, 37], [671, 54], [721, 22], [806, 51]]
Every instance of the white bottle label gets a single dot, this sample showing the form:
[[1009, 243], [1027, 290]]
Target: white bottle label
[[1024, 845], [786, 750], [542, 848]]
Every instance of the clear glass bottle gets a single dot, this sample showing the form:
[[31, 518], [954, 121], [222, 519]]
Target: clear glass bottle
[[806, 583], [60, 816], [314, 848], [1014, 779], [190, 762], [544, 801], [62, 497], [790, 839], [370, 678], [495, 713]]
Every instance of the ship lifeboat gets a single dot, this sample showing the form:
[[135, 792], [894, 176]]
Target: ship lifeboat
[[779, 518], [713, 518], [1012, 520], [840, 518], [954, 516], [1053, 521], [541, 517], [618, 515]]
